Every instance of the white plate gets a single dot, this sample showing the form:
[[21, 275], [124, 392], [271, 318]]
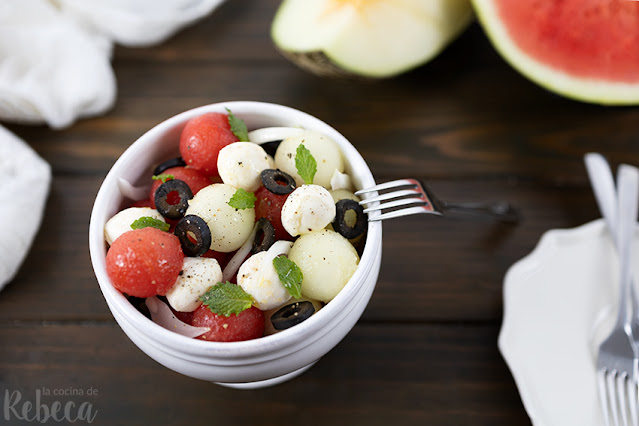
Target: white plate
[[559, 303]]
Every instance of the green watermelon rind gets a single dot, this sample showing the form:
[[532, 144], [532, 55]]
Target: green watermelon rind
[[578, 88]]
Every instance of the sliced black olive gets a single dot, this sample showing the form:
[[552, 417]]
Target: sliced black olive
[[340, 224], [194, 234], [139, 304], [271, 147], [168, 164], [277, 181], [265, 236], [292, 314], [171, 198]]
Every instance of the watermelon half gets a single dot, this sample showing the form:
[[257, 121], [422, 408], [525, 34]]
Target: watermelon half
[[582, 49]]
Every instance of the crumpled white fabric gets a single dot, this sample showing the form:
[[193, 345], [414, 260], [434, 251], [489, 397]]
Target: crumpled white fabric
[[24, 184], [55, 54], [137, 23], [55, 67]]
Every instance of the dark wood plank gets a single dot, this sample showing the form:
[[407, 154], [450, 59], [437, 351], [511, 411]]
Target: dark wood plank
[[433, 269], [56, 280], [379, 374], [459, 116], [425, 350], [445, 269], [236, 32]]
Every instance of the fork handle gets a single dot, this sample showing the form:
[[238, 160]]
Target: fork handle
[[603, 185], [500, 211], [628, 178]]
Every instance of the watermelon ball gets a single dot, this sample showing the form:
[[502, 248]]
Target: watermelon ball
[[202, 139], [194, 179], [185, 317], [144, 262], [269, 205], [246, 325]]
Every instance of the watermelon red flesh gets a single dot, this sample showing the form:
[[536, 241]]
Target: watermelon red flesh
[[596, 39]]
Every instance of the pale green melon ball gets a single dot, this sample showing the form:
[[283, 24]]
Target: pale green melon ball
[[325, 151], [342, 194], [327, 261], [229, 226]]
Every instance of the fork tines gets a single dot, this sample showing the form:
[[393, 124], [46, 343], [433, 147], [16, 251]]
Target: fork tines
[[399, 197]]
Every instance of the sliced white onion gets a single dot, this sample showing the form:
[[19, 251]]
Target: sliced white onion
[[341, 180], [239, 256], [162, 315], [131, 192], [272, 134]]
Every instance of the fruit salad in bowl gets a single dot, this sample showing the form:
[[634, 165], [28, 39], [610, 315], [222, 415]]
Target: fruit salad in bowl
[[230, 246]]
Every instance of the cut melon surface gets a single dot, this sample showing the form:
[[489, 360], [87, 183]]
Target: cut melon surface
[[586, 50], [372, 38]]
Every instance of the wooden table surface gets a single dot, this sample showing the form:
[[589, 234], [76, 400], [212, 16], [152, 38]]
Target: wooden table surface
[[425, 350]]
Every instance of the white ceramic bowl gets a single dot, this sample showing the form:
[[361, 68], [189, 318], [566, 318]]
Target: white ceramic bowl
[[254, 363]]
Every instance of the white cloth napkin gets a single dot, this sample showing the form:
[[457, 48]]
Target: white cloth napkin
[[24, 185], [137, 23], [55, 67], [55, 54]]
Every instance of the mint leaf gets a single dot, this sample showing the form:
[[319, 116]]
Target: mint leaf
[[148, 221], [290, 275], [305, 164], [242, 200], [163, 177], [238, 127], [226, 299]]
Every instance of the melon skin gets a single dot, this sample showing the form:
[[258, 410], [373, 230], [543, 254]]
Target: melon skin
[[318, 63], [605, 86], [367, 38]]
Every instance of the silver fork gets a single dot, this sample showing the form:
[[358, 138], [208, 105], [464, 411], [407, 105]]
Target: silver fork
[[410, 196], [603, 185], [617, 360]]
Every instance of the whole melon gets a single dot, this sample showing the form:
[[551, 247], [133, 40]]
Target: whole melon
[[367, 38], [586, 50]]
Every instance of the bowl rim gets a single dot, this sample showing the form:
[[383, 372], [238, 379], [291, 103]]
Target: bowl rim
[[311, 329]]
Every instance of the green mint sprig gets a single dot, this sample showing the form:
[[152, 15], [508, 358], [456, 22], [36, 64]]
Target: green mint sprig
[[148, 221], [226, 299], [163, 177], [290, 275], [242, 199], [238, 127], [305, 164]]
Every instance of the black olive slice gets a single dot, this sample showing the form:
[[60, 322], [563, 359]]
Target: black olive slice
[[340, 223], [168, 164], [194, 234], [277, 181], [265, 236], [271, 147], [292, 314], [171, 198]]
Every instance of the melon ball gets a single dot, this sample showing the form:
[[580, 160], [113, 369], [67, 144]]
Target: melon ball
[[325, 151], [230, 227], [327, 261], [343, 194]]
